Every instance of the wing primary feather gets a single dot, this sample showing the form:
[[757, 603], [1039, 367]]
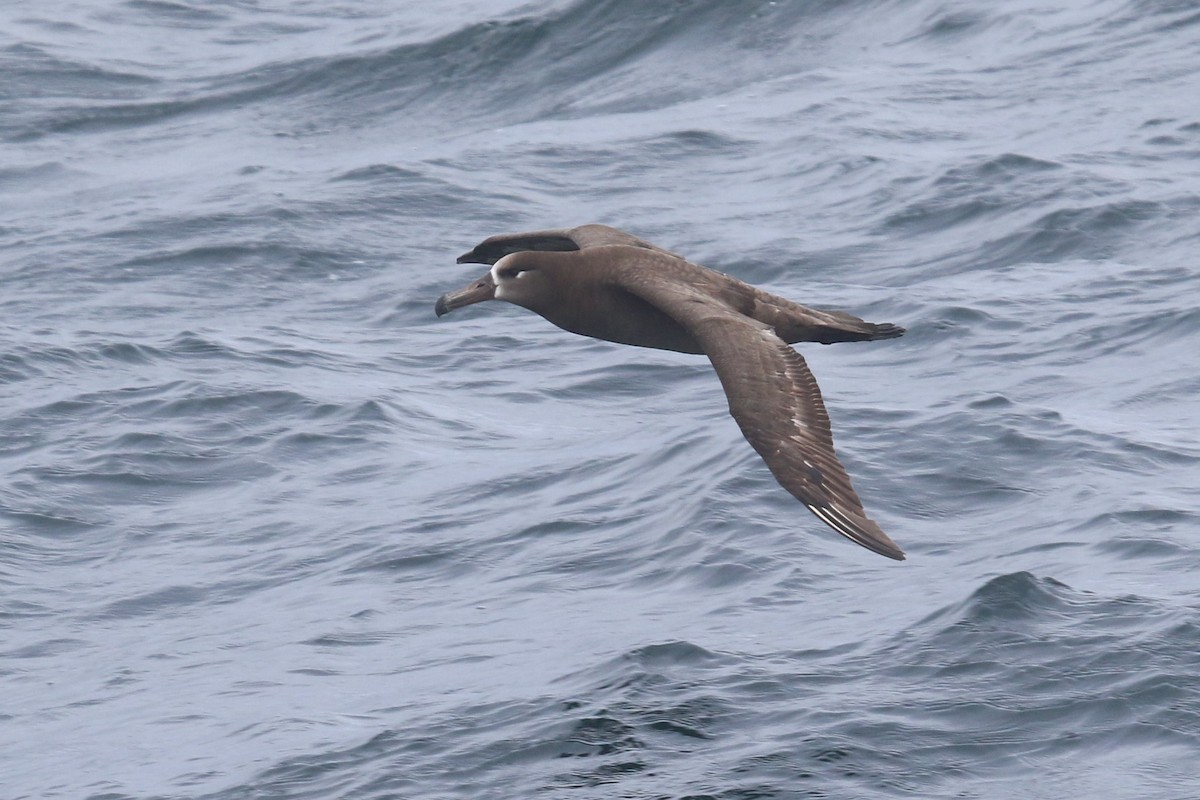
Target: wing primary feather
[[856, 532]]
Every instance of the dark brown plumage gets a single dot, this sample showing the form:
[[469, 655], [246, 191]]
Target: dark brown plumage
[[601, 282]]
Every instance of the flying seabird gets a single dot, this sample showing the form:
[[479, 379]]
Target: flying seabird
[[602, 282]]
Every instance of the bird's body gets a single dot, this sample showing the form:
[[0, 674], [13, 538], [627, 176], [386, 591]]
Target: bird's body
[[601, 282]]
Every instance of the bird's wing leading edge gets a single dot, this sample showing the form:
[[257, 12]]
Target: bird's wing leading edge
[[775, 400]]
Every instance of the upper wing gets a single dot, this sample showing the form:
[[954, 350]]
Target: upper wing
[[775, 400], [494, 248]]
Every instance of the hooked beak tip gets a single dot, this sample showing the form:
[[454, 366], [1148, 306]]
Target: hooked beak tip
[[477, 292]]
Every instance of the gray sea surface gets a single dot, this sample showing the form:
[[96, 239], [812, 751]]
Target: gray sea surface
[[270, 529]]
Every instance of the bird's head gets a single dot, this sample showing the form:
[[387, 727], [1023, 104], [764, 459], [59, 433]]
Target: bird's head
[[515, 278], [520, 280]]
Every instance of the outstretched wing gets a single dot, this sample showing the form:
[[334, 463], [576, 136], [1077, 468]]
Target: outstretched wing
[[494, 248], [775, 400]]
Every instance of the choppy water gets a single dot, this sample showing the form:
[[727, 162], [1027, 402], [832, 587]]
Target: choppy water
[[271, 530]]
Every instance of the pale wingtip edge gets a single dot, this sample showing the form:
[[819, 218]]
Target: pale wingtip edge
[[874, 540]]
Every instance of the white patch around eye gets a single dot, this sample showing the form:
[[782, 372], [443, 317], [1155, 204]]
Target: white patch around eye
[[496, 268], [499, 293]]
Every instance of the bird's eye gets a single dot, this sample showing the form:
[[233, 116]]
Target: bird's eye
[[515, 272]]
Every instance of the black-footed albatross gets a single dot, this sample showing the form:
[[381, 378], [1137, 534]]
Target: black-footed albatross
[[601, 282]]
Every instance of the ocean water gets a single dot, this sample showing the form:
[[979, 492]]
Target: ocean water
[[269, 529]]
